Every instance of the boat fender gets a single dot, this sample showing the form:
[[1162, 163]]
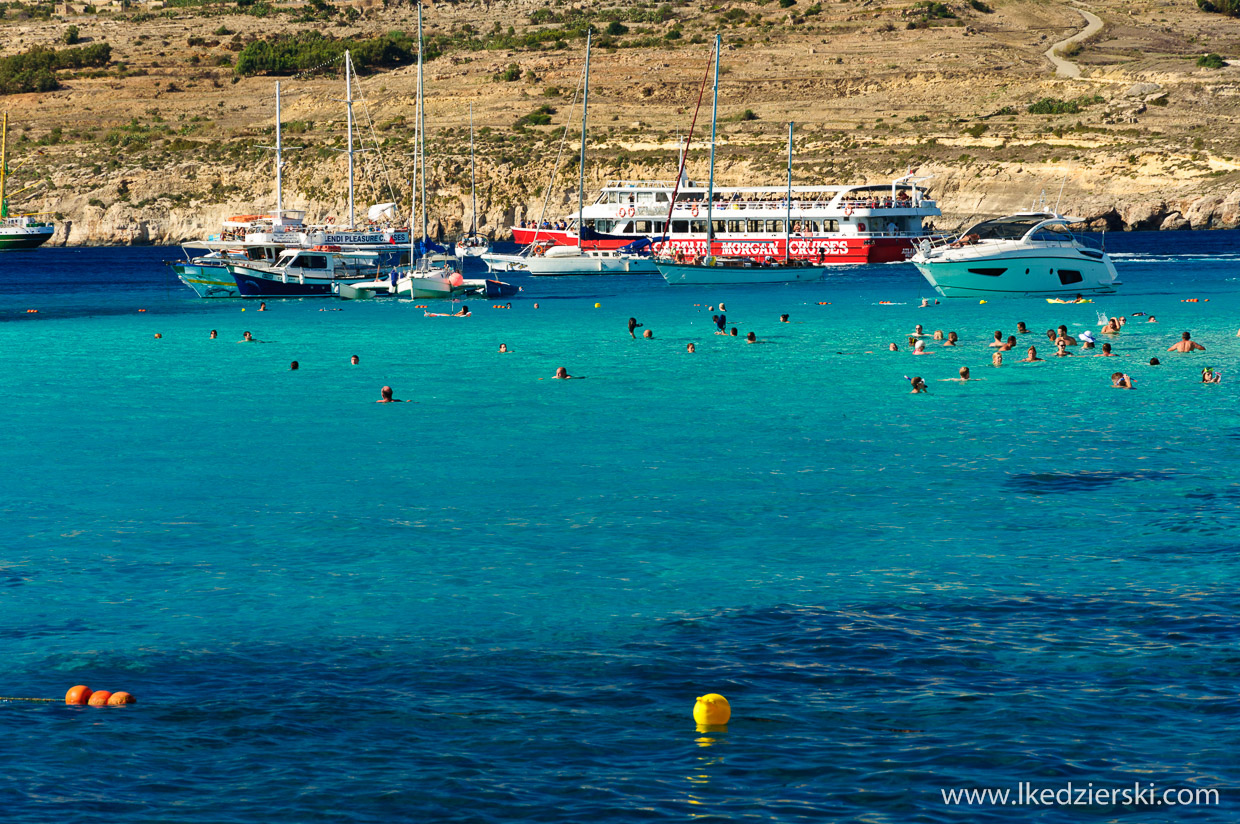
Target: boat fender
[[860, 227]]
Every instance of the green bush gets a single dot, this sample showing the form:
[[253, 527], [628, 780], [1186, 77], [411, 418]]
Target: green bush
[[978, 5], [509, 75], [787, 4], [35, 70], [977, 130], [1211, 61], [539, 117], [70, 37], [310, 51], [1228, 7], [1053, 105], [615, 28]]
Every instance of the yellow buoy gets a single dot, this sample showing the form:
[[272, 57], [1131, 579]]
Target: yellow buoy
[[598, 306], [981, 301], [712, 710]]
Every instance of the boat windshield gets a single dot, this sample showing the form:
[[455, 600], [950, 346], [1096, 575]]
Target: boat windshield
[[1015, 228]]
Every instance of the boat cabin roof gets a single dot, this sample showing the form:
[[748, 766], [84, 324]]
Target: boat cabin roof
[[1018, 226]]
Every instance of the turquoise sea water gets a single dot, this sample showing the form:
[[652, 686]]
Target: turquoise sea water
[[498, 603]]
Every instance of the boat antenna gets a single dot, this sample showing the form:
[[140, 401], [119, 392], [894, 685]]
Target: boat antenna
[[684, 155], [555, 167], [348, 94], [788, 211], [1061, 185], [710, 184], [581, 180], [278, 149], [4, 157]]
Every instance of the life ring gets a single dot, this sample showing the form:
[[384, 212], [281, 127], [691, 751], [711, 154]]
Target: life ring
[[331, 220], [848, 210], [621, 212], [860, 227], [694, 211]]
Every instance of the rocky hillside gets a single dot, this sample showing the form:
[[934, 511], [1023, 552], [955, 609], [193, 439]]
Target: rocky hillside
[[166, 139]]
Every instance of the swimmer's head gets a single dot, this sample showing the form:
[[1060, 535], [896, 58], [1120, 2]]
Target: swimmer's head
[[953, 337], [1155, 362], [1185, 336], [355, 360], [213, 334], [647, 334], [386, 393], [562, 372], [1020, 327], [248, 336], [503, 347], [733, 332], [891, 347], [783, 318], [751, 337], [294, 366], [157, 335], [919, 346], [964, 371], [691, 348]]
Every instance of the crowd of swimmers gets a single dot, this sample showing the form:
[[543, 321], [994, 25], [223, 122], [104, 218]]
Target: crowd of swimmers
[[1061, 340]]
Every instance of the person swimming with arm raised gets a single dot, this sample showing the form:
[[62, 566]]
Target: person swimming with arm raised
[[919, 385], [1121, 381]]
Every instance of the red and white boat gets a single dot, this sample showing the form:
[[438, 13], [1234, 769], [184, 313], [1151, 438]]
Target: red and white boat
[[873, 223]]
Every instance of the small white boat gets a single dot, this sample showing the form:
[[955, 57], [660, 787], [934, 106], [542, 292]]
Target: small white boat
[[435, 275], [546, 260], [472, 246], [1030, 254]]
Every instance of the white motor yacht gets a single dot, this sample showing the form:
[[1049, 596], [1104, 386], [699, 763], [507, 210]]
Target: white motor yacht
[[1031, 254]]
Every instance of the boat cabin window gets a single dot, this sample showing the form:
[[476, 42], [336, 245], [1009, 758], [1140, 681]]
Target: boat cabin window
[[660, 197], [736, 227], [1008, 228], [311, 262], [697, 226], [1067, 276], [680, 226], [643, 227], [1053, 234], [645, 197]]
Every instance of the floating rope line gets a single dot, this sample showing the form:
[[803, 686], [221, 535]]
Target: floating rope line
[[36, 700]]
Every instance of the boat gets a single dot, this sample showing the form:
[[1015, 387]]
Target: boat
[[18, 231], [708, 266], [1028, 254], [472, 244], [304, 273], [262, 237]]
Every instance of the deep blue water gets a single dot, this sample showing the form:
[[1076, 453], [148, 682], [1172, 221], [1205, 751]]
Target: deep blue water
[[499, 603]]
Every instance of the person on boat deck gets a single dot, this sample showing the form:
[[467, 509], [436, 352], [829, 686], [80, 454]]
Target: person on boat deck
[[892, 228], [634, 325], [1031, 356], [463, 313], [1185, 344], [385, 396]]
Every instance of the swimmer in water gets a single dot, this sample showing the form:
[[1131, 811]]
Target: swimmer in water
[[1121, 381], [1063, 333], [1208, 375], [783, 318], [463, 313], [1155, 362], [996, 359], [919, 348], [1152, 319], [924, 303], [1061, 349], [917, 331], [1087, 340], [246, 338], [690, 349], [919, 385], [1021, 329], [262, 306], [561, 374], [912, 341], [1106, 352], [952, 339], [355, 360], [647, 334], [294, 366], [751, 338], [1186, 344], [158, 336], [535, 305], [733, 333], [385, 396], [998, 341], [1009, 345], [503, 347], [938, 334], [633, 325], [214, 334], [891, 347], [1031, 356], [964, 375], [1050, 335], [1111, 327]]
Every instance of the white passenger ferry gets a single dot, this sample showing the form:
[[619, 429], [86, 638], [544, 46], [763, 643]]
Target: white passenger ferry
[[876, 223]]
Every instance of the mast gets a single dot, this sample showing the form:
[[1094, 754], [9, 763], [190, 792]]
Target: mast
[[348, 99], [710, 186], [421, 125], [473, 178], [279, 165], [4, 160], [788, 213], [585, 108]]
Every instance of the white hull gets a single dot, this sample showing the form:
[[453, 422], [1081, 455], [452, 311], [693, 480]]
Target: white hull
[[586, 264], [685, 274]]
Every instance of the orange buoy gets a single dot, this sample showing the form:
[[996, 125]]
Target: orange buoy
[[119, 698], [141, 310], [78, 695], [99, 698]]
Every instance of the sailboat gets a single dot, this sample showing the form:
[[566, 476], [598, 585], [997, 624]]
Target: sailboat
[[710, 268], [549, 259], [472, 244], [17, 231]]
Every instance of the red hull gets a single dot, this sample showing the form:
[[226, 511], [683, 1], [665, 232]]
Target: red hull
[[827, 250]]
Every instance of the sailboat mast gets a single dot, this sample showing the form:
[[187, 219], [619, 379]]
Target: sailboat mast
[[348, 99], [4, 161], [421, 125], [473, 178], [585, 108], [788, 213], [710, 186], [279, 164]]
